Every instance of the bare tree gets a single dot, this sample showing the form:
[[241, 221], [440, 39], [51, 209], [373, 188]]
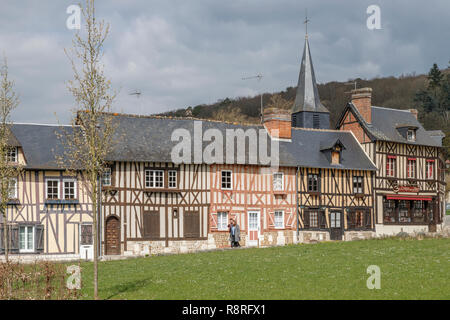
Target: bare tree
[[90, 138], [9, 167]]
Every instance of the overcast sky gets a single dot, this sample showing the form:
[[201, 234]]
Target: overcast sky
[[181, 53]]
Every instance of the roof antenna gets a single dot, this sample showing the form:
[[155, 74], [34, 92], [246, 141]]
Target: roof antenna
[[137, 93], [259, 76], [351, 83]]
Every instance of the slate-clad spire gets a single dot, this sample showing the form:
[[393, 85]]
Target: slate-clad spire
[[307, 98]]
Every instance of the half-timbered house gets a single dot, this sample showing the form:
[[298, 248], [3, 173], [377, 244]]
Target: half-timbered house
[[409, 184], [49, 215]]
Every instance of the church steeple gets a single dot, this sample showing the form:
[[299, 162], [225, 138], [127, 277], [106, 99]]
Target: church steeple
[[308, 111]]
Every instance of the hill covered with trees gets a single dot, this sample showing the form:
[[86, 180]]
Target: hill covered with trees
[[429, 94]]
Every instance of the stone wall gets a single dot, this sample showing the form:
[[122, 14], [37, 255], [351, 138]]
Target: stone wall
[[313, 236], [392, 230], [278, 238], [358, 235]]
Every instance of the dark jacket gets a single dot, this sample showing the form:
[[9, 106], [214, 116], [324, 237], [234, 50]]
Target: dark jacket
[[237, 234]]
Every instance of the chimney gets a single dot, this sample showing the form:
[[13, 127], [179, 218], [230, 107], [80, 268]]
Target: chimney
[[362, 100], [414, 112], [277, 123]]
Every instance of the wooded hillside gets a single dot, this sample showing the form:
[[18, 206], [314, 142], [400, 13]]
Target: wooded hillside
[[429, 94]]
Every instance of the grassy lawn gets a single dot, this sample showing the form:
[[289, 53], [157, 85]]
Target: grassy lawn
[[410, 269]]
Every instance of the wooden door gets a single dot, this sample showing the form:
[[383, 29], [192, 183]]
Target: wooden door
[[336, 225], [191, 225], [112, 237], [253, 228], [151, 225]]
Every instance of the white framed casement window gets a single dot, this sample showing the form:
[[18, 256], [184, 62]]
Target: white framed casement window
[[278, 181], [69, 189], [172, 178], [411, 135], [222, 221], [12, 188], [11, 154], [106, 177], [358, 184], [52, 189], [227, 181], [26, 239], [279, 219], [430, 169], [411, 168], [154, 178]]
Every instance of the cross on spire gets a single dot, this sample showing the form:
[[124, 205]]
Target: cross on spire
[[306, 23]]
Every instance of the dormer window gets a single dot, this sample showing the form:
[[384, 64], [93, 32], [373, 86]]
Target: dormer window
[[335, 157], [411, 135]]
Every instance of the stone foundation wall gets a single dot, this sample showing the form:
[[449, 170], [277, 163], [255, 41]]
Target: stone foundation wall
[[31, 258], [313, 236], [358, 235], [278, 238], [392, 230]]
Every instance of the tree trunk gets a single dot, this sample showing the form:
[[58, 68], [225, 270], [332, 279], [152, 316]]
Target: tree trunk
[[5, 235], [94, 226]]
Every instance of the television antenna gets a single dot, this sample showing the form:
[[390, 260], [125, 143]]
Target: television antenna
[[351, 83], [136, 92], [259, 76]]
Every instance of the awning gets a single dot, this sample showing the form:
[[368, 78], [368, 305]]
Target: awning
[[401, 197]]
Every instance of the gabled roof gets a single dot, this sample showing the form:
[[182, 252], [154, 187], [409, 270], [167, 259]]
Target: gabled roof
[[41, 144], [386, 122], [307, 97], [327, 145], [148, 139]]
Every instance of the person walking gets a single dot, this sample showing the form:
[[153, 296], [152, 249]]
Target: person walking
[[235, 234]]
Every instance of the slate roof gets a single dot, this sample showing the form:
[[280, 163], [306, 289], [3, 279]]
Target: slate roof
[[40, 144], [307, 97], [148, 139], [385, 123]]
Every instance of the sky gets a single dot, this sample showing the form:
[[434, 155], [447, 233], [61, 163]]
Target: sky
[[180, 53]]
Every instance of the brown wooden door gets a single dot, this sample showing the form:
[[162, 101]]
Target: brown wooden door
[[112, 237], [191, 226], [336, 225]]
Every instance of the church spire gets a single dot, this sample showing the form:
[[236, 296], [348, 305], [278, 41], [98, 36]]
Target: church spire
[[307, 97]]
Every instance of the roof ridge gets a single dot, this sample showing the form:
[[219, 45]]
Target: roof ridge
[[43, 124], [139, 116], [403, 110]]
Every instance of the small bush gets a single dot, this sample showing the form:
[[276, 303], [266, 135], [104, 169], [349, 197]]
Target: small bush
[[38, 281]]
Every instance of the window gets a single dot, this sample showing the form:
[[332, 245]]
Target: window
[[313, 219], [335, 157], [222, 221], [390, 166], [279, 219], [313, 183], [26, 239], [358, 185], [411, 135], [86, 235], [403, 211], [52, 189], [411, 168], [172, 178], [359, 219], [106, 177], [13, 188], [69, 189], [226, 180], [430, 168], [11, 155], [154, 178], [389, 212], [278, 184]]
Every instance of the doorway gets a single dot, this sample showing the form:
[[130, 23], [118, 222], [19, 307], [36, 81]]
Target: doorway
[[336, 225], [112, 236], [253, 228]]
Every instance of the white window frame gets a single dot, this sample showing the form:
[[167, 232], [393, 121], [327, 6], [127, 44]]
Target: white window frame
[[14, 159], [109, 172], [74, 188], [275, 219], [231, 180], [282, 181], [152, 173], [58, 188], [411, 137], [427, 168], [359, 180], [392, 167], [222, 224], [411, 169], [26, 239], [13, 192], [168, 179]]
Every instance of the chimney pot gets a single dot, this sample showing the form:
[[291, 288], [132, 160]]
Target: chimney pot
[[362, 100], [414, 112]]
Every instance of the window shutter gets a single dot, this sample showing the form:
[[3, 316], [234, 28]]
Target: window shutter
[[322, 220], [306, 219], [14, 239], [151, 224], [368, 220], [191, 224], [39, 238]]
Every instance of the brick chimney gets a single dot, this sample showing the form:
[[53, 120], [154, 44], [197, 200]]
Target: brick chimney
[[277, 119], [414, 112], [362, 100]]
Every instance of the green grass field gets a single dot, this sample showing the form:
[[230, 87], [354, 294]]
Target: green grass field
[[410, 269]]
